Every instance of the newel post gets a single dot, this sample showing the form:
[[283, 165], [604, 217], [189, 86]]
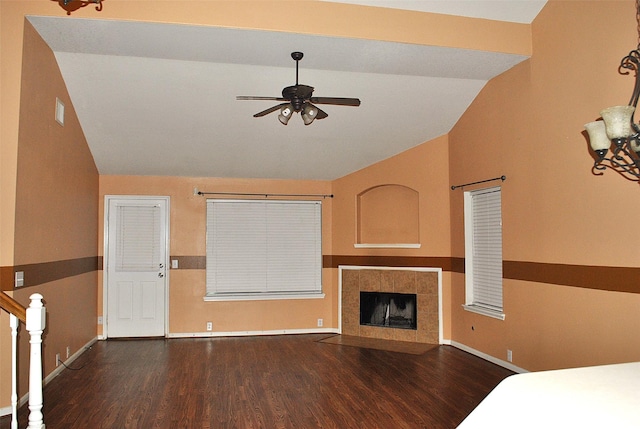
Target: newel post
[[36, 322]]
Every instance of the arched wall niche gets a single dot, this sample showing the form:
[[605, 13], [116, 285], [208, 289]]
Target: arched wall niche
[[388, 215]]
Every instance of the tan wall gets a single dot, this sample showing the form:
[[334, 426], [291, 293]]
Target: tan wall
[[56, 212], [423, 169], [189, 313], [527, 124]]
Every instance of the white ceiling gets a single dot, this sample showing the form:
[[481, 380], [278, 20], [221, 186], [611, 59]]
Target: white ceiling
[[159, 99]]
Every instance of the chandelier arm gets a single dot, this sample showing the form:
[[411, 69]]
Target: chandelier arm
[[627, 163], [84, 3], [621, 169], [623, 161], [597, 165], [620, 152], [632, 62]]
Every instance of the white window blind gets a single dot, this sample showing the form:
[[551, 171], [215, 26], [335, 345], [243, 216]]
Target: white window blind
[[262, 248], [138, 240], [483, 230]]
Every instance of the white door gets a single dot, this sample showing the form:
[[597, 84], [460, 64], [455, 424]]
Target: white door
[[137, 234]]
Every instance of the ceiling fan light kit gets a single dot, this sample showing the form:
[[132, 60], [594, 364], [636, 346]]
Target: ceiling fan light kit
[[299, 99]]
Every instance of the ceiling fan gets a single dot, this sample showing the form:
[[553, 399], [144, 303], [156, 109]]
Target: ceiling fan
[[299, 98]]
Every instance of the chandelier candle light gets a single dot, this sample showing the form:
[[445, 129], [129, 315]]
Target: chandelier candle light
[[617, 130]]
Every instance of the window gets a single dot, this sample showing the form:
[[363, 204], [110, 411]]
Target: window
[[263, 249], [483, 251], [138, 241]]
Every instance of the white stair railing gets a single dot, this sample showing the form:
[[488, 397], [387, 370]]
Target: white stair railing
[[35, 320], [13, 323]]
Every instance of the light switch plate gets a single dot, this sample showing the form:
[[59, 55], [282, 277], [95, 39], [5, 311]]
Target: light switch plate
[[19, 278]]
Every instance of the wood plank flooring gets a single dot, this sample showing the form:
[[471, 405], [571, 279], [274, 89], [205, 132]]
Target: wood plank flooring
[[288, 381]]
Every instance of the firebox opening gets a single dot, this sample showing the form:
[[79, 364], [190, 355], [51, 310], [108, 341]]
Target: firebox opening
[[391, 310]]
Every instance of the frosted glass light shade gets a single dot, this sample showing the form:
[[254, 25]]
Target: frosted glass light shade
[[285, 114], [598, 138], [309, 114], [617, 120]]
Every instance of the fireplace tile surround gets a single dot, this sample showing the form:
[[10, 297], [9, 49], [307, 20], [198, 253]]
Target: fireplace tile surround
[[423, 283]]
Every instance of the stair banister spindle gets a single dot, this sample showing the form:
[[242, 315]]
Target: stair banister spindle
[[36, 322], [13, 324]]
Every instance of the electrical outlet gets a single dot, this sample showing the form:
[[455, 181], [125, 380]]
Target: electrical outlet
[[100, 320], [57, 359], [68, 352], [209, 326], [509, 356], [320, 323]]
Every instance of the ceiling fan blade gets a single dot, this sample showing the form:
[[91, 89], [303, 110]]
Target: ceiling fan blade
[[270, 109], [251, 97], [336, 100], [321, 113]]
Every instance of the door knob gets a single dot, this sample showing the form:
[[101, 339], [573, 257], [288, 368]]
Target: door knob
[[160, 275]]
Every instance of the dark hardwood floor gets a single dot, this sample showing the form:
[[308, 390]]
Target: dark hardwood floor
[[289, 381]]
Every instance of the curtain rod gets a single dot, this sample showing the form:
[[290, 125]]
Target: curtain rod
[[503, 178], [266, 195]]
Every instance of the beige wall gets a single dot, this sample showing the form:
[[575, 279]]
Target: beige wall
[[527, 124], [55, 212], [423, 169], [189, 313]]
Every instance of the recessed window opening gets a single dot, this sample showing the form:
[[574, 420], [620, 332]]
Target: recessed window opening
[[483, 251]]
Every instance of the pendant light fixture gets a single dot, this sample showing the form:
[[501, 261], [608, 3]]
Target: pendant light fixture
[[617, 130]]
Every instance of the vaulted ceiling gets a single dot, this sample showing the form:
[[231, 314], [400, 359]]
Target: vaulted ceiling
[[160, 99]]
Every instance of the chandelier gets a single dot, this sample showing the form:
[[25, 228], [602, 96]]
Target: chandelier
[[617, 131], [80, 3]]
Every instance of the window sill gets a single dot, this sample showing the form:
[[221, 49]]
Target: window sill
[[263, 296], [387, 246], [484, 311]]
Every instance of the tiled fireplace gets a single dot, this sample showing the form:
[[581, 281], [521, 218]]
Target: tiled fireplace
[[392, 282]]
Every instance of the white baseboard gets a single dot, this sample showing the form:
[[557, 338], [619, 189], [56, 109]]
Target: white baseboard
[[5, 411], [67, 362], [499, 362], [253, 333]]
